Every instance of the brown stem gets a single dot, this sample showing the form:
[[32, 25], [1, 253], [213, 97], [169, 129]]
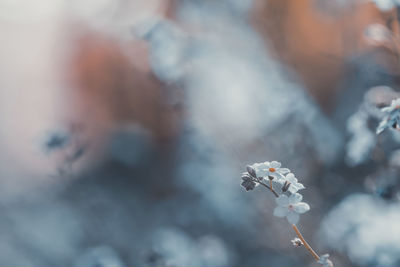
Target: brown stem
[[306, 245], [269, 188]]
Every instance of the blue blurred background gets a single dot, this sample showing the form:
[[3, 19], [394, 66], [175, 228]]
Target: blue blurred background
[[125, 126]]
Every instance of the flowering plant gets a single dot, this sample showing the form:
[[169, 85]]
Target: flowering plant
[[285, 186]]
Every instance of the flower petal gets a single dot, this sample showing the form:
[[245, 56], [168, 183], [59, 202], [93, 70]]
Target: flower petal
[[325, 261], [284, 170], [300, 186], [293, 217], [293, 188], [291, 178], [382, 126], [282, 201], [280, 212], [295, 198], [301, 207], [275, 164], [277, 185], [323, 258], [276, 175], [261, 172], [387, 109]]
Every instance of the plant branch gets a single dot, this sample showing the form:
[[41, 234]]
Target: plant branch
[[306, 245]]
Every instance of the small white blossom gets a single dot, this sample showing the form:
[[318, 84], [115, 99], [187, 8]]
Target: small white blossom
[[291, 207], [325, 261], [393, 116], [270, 169], [297, 242], [291, 184], [256, 170], [274, 169]]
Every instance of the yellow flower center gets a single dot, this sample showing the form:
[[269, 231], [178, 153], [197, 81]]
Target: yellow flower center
[[272, 169]]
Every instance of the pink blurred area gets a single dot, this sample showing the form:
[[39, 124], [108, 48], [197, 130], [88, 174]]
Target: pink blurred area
[[67, 63]]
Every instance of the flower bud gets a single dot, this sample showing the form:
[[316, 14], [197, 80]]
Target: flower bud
[[296, 242], [285, 186], [251, 171]]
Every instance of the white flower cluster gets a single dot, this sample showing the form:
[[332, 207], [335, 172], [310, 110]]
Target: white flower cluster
[[282, 183], [392, 118]]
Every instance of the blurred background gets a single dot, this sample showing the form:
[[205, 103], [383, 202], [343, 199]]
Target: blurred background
[[125, 126]]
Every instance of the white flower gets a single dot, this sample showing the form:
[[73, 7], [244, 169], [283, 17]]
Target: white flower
[[274, 169], [291, 184], [270, 169], [256, 170], [291, 207], [325, 261], [393, 116]]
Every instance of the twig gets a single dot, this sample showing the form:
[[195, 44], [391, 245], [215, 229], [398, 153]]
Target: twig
[[306, 245]]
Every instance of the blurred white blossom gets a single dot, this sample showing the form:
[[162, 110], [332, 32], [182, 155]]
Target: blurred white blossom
[[169, 47], [386, 5], [218, 54], [180, 250], [325, 261], [102, 256], [362, 141], [392, 118], [377, 34], [366, 228]]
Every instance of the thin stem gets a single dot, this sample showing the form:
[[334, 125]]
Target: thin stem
[[272, 190], [306, 245], [269, 188]]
